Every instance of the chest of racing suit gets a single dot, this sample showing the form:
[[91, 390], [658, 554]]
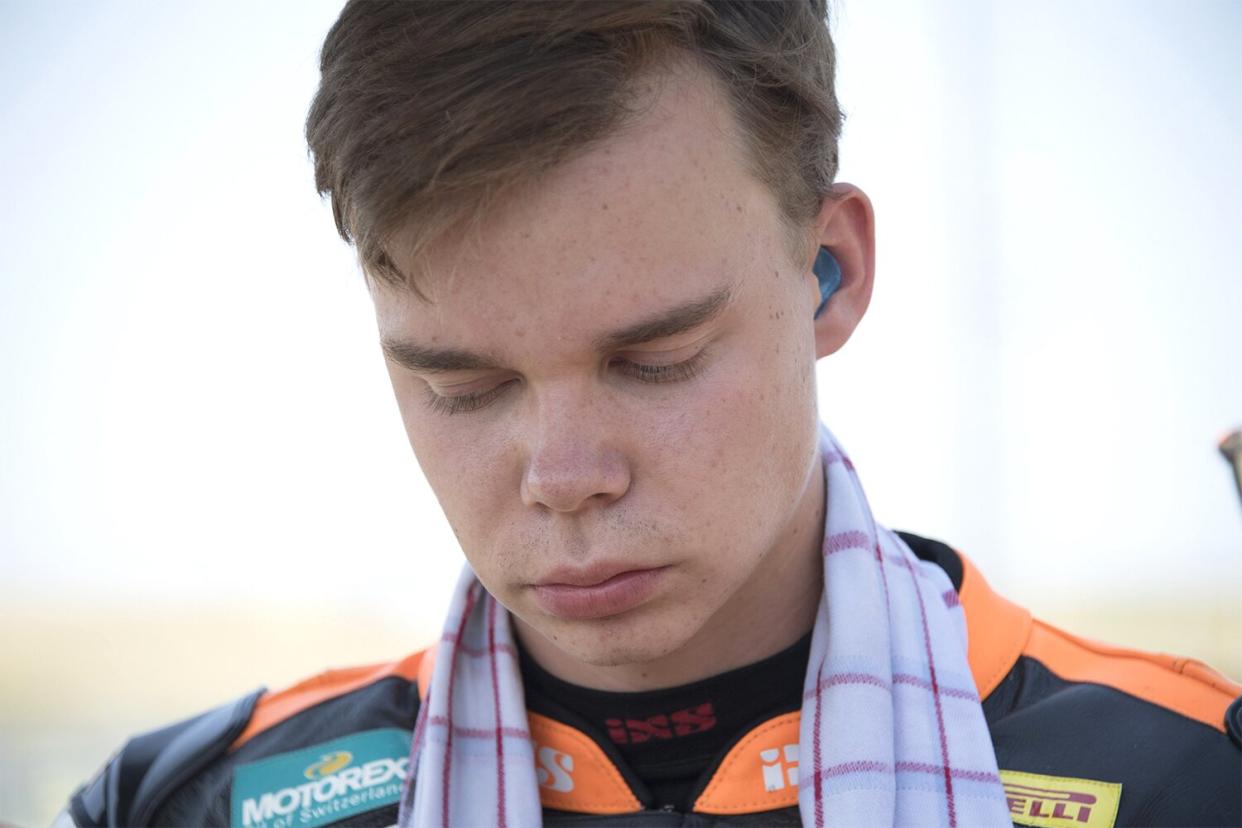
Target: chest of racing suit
[[1085, 735]]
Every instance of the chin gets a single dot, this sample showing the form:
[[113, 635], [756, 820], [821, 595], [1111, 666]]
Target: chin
[[635, 638]]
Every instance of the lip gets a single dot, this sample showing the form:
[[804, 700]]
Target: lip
[[597, 592]]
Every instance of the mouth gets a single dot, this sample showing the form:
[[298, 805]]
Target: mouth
[[599, 592]]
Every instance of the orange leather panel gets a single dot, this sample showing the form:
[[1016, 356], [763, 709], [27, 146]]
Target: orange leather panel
[[997, 629], [574, 774], [1182, 685], [760, 773], [274, 708], [1000, 632]]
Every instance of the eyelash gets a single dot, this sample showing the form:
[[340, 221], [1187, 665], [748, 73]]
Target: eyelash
[[655, 374], [464, 402], [650, 374]]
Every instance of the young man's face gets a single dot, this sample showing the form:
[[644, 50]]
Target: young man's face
[[612, 394]]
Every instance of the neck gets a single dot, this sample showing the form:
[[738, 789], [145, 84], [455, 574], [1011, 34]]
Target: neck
[[772, 610]]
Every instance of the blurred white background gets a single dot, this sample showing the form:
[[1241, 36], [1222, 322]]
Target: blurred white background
[[204, 484]]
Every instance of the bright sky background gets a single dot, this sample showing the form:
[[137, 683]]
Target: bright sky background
[[194, 417], [193, 409]]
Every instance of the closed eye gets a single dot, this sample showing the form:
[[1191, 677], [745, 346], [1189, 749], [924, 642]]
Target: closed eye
[[458, 403], [676, 372], [641, 371]]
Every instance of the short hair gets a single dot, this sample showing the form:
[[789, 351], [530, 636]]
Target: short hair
[[427, 112]]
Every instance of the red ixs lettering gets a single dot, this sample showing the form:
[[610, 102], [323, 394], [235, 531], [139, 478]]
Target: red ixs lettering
[[694, 720], [686, 722]]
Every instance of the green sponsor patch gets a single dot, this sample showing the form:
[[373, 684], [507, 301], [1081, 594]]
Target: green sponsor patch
[[323, 783]]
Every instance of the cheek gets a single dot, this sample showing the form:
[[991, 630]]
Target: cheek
[[747, 438], [463, 462]]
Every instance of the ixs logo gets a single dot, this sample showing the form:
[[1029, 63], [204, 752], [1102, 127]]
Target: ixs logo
[[697, 719], [780, 767], [348, 776], [554, 769], [1060, 802]]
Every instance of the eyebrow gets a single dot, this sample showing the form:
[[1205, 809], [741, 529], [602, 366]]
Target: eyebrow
[[433, 360], [669, 322]]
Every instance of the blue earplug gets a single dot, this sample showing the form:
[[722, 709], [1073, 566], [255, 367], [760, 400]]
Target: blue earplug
[[828, 272]]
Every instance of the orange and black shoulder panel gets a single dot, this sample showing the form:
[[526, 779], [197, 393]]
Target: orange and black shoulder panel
[[189, 773], [274, 708], [1149, 739]]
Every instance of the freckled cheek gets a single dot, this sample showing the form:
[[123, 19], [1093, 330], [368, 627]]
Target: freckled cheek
[[473, 458], [752, 420], [700, 435], [479, 505], [470, 474]]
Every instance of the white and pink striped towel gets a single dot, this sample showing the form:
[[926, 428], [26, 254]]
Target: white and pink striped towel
[[891, 730]]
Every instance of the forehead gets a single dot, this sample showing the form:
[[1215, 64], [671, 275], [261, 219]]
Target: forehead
[[663, 211]]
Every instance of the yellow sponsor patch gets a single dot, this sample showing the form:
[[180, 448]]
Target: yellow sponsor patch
[[1060, 801]]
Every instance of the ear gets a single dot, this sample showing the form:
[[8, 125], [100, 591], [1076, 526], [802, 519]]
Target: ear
[[846, 226]]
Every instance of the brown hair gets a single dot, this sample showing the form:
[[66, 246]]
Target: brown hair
[[429, 111]]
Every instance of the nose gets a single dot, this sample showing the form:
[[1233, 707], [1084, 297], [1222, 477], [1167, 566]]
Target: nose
[[573, 459]]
